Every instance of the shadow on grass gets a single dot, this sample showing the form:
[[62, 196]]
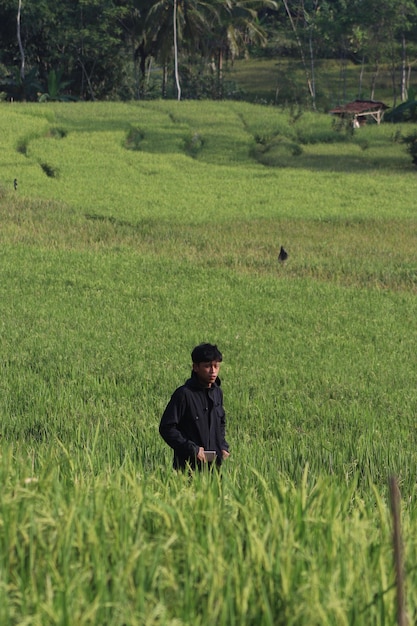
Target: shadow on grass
[[331, 163]]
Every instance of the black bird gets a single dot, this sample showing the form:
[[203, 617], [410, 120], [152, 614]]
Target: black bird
[[15, 184], [283, 254]]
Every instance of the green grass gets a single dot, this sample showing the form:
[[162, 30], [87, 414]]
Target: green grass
[[140, 246], [283, 81]]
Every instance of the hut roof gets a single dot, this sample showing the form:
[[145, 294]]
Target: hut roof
[[360, 106]]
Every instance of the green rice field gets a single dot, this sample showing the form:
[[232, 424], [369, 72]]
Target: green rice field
[[129, 233]]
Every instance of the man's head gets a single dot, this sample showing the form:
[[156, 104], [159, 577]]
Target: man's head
[[206, 363], [206, 352]]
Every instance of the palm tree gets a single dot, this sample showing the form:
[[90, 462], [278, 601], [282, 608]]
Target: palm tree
[[19, 39], [179, 21], [238, 28], [174, 23]]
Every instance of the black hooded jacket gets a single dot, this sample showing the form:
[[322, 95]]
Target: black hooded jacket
[[194, 418]]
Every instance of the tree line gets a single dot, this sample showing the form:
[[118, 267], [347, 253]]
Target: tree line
[[136, 49]]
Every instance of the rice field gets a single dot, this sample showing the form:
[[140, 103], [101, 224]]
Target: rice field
[[137, 231]]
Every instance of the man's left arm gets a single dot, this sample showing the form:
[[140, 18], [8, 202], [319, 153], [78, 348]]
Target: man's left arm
[[224, 444]]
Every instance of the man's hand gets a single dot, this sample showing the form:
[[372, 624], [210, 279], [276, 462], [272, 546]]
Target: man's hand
[[201, 456]]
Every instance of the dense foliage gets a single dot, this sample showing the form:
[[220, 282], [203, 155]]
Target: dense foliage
[[134, 49]]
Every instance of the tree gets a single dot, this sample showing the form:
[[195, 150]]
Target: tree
[[21, 89], [380, 28], [97, 46], [407, 16], [293, 21], [175, 29], [105, 48], [180, 22], [342, 37], [19, 39], [237, 28], [140, 40]]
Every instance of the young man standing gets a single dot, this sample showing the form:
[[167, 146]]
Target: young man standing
[[194, 422]]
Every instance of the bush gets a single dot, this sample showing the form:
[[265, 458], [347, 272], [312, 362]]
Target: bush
[[134, 138], [405, 112], [411, 142], [193, 144]]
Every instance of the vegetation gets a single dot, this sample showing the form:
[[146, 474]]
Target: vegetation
[[145, 244], [411, 141], [141, 49]]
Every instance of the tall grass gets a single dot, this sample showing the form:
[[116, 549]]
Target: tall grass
[[120, 547], [111, 272]]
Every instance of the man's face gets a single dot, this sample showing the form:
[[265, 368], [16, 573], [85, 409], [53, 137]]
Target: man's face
[[207, 372]]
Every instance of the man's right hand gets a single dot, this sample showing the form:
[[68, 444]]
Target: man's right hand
[[201, 456]]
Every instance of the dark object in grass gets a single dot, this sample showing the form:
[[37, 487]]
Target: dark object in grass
[[283, 254], [49, 170], [411, 143], [15, 184]]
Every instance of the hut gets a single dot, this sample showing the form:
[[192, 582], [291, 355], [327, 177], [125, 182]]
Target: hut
[[359, 111]]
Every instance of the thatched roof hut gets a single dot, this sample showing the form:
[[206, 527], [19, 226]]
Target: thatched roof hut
[[360, 110]]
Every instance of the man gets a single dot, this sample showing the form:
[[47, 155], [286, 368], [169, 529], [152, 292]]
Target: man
[[193, 422]]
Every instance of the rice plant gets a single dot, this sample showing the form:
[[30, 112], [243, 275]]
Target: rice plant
[[111, 273]]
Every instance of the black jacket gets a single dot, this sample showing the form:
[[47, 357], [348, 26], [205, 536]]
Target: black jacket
[[194, 418]]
